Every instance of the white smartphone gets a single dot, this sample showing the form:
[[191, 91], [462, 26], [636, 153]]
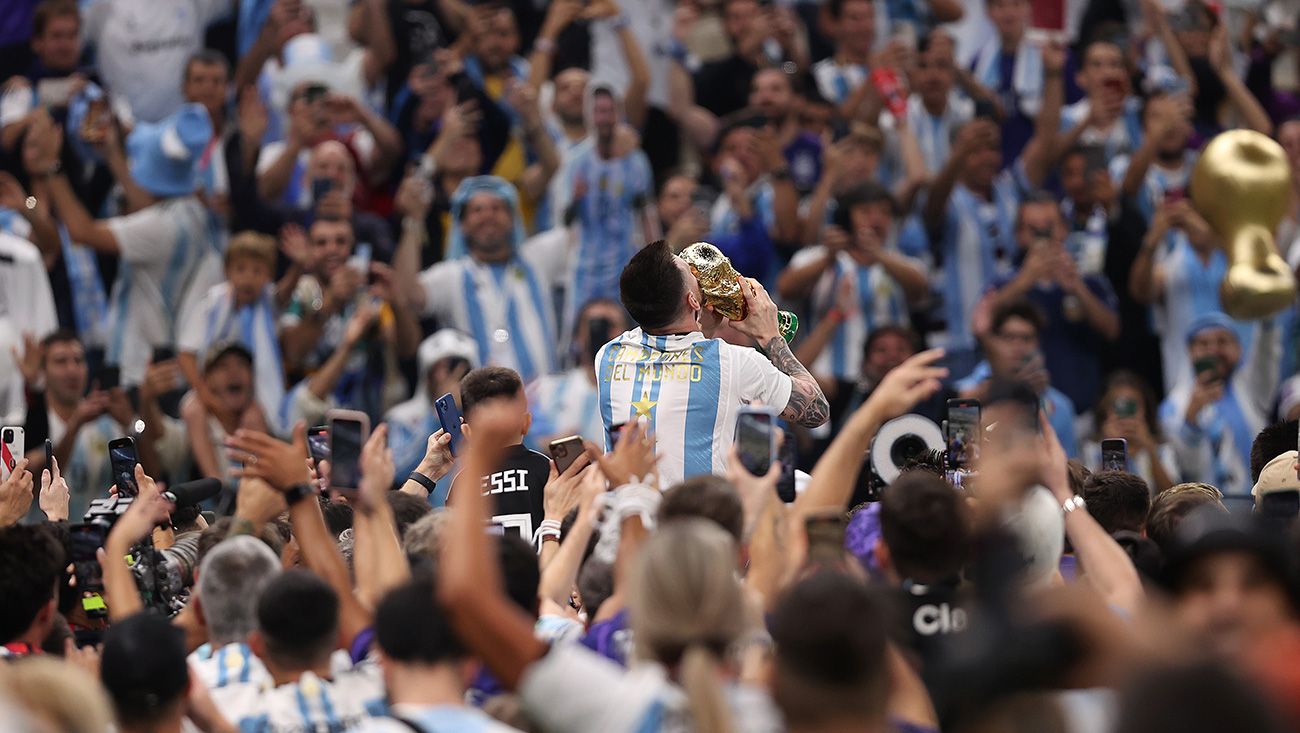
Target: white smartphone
[[13, 444]]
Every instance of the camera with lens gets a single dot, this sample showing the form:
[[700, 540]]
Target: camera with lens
[[898, 442], [157, 579]]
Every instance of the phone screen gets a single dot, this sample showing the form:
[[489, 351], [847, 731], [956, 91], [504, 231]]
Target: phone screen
[[318, 443], [122, 456], [565, 451], [346, 439], [49, 454], [110, 377], [963, 433], [754, 441], [85, 540], [449, 418], [1114, 454]]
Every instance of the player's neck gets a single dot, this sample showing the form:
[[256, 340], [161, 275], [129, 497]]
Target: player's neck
[[1011, 41], [419, 684], [682, 326]]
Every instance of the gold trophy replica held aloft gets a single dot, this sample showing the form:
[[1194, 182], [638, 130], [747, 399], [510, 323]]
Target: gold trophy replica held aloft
[[1242, 187], [720, 285]]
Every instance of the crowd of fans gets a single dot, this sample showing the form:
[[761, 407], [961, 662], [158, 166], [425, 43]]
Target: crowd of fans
[[223, 221]]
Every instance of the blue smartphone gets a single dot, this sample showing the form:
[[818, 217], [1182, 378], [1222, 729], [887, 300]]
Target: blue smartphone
[[449, 417]]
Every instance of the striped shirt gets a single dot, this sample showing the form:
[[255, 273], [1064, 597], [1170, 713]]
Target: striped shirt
[[879, 299], [977, 246], [168, 254], [1124, 135], [934, 133], [506, 307], [616, 190], [837, 81], [231, 664], [688, 388], [562, 405], [309, 705], [434, 719]]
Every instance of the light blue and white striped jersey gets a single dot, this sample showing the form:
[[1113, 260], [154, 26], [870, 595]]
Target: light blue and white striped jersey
[[933, 133], [688, 389], [559, 194], [310, 705], [435, 719], [564, 404], [507, 308], [616, 190], [978, 245], [1124, 135], [837, 81], [168, 257], [880, 302], [1026, 83], [215, 319], [232, 664]]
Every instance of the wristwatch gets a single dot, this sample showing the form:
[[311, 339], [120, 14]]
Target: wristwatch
[[298, 492]]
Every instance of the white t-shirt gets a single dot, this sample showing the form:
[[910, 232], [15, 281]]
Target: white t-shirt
[[141, 47], [651, 22], [26, 306], [688, 388], [168, 256], [435, 719]]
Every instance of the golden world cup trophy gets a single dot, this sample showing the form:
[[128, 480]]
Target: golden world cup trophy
[[720, 285], [1242, 187]]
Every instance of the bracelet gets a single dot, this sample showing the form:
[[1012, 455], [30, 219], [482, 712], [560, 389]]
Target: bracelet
[[298, 492], [1074, 503], [550, 538], [422, 480]]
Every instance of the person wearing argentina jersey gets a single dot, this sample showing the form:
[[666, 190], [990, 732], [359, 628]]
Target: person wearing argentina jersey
[[857, 277], [612, 199], [842, 78], [500, 293], [1213, 418], [1012, 68], [686, 385], [168, 252], [1109, 113], [230, 578], [567, 403]]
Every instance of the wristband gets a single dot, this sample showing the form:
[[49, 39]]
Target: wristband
[[422, 480], [298, 492]]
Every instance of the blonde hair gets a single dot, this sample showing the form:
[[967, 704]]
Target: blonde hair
[[64, 695], [686, 607], [253, 246]]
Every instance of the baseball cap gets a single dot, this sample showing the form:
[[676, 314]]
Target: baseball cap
[[1278, 475], [1209, 321]]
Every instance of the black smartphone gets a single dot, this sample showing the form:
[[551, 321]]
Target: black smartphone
[[320, 187], [110, 377], [1114, 454], [756, 439], [963, 430], [85, 540], [1094, 159], [348, 430], [123, 458], [565, 451], [449, 418], [318, 443], [161, 354]]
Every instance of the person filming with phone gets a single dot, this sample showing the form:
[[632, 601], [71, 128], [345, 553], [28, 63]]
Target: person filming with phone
[[1212, 419]]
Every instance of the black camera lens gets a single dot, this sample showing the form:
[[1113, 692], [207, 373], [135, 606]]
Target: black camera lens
[[906, 448], [8, 436]]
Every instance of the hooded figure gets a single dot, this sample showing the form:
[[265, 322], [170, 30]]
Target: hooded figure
[[493, 286], [443, 359]]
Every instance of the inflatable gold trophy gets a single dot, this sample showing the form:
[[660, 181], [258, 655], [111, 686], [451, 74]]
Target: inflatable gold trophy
[[1242, 186], [720, 286]]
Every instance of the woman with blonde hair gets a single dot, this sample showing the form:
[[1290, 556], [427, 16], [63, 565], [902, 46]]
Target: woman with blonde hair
[[686, 609]]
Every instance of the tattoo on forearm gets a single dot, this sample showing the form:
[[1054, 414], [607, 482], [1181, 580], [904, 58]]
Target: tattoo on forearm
[[807, 406]]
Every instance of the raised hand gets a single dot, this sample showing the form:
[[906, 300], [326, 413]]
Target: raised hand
[[563, 491], [376, 469], [15, 494], [907, 384], [632, 460], [276, 462], [54, 493]]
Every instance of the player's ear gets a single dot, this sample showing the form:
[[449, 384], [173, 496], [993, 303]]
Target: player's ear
[[528, 422]]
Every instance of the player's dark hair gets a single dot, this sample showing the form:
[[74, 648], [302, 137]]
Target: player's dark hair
[[298, 616], [31, 562], [412, 627], [707, 497], [1118, 500], [651, 287], [923, 522], [488, 383]]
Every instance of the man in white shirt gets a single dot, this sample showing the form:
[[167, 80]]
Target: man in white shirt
[[686, 385], [168, 249], [26, 307], [141, 47]]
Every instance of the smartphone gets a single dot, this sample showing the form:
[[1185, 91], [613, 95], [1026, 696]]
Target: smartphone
[[320, 187], [1114, 454], [1207, 365], [161, 354], [12, 446], [86, 539], [49, 455], [54, 92], [348, 431], [449, 418], [565, 451], [110, 377], [360, 259], [756, 438], [1125, 407], [1094, 159], [785, 484], [1174, 195], [318, 443], [123, 458], [963, 429]]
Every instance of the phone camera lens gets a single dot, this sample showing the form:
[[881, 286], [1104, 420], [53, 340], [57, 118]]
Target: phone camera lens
[[8, 436]]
